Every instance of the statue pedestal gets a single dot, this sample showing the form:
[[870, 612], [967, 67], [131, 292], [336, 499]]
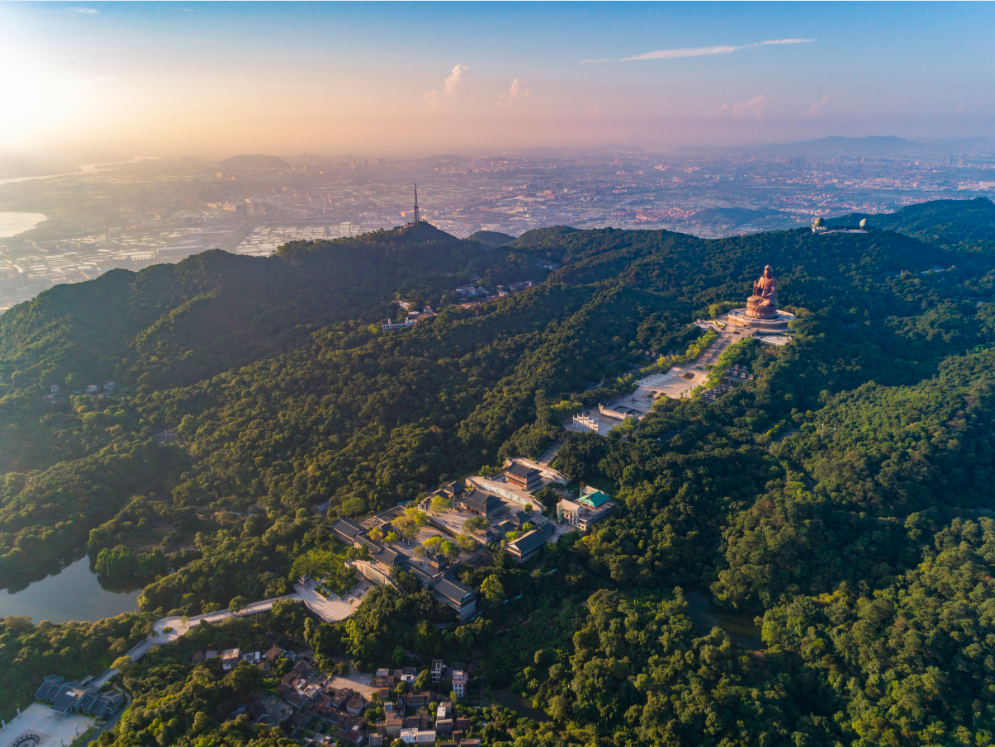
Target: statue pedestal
[[776, 324]]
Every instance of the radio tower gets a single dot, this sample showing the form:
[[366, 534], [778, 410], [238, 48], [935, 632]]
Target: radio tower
[[417, 211]]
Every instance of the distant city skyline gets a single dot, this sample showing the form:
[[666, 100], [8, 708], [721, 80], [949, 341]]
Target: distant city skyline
[[96, 81]]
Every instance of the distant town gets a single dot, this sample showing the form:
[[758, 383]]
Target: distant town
[[135, 214]]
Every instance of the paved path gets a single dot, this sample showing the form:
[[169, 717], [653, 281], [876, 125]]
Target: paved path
[[329, 610], [682, 379], [546, 458], [108, 724]]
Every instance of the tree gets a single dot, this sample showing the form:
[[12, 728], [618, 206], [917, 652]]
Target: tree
[[122, 663], [559, 708], [476, 524], [409, 523], [439, 504], [423, 680], [237, 603], [492, 589], [74, 382], [450, 550]]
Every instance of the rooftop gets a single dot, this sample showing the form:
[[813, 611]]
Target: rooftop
[[593, 498], [528, 542]]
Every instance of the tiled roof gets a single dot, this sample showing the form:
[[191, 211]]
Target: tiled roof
[[480, 501], [528, 542]]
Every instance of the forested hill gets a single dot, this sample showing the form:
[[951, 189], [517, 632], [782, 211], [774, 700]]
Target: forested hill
[[967, 225], [841, 494], [176, 324]]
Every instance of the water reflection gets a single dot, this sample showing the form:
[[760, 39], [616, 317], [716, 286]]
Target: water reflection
[[11, 224], [738, 625], [74, 593]]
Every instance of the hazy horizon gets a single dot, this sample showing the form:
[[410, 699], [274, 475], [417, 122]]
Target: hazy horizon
[[103, 81]]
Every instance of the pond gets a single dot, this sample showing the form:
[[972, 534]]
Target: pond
[[738, 625], [522, 706], [74, 593]]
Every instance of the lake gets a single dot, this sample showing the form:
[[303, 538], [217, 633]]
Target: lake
[[12, 224], [74, 593], [522, 706], [738, 625]]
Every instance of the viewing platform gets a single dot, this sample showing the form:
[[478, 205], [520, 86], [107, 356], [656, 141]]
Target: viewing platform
[[777, 324]]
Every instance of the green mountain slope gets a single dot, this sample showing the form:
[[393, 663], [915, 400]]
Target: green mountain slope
[[840, 494], [967, 225], [492, 239], [175, 324]]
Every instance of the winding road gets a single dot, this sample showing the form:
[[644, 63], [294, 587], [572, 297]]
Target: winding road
[[168, 629]]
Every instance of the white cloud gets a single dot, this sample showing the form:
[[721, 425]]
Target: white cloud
[[752, 109], [673, 54], [454, 78], [452, 84], [817, 107], [87, 11], [517, 90]]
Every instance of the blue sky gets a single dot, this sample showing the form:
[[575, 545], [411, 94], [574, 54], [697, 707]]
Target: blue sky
[[203, 78]]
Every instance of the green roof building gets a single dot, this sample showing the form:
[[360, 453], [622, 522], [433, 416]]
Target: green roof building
[[593, 498]]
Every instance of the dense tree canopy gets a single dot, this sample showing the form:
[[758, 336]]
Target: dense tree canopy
[[841, 495]]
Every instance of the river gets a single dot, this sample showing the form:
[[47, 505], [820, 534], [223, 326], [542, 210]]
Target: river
[[738, 625], [74, 593], [89, 168], [12, 224]]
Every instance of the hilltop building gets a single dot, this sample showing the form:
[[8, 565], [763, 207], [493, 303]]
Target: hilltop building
[[75, 697], [523, 477], [383, 559], [526, 546], [591, 507]]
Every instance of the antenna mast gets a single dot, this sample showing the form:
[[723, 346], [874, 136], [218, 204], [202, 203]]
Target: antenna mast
[[417, 212]]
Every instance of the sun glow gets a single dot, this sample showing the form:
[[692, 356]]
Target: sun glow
[[35, 102]]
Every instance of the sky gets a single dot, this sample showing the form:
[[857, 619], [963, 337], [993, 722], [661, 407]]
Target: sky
[[97, 81]]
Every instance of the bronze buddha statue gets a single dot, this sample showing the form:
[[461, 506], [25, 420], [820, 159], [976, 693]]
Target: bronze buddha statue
[[763, 303]]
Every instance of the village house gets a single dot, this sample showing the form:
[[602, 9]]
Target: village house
[[229, 658], [437, 668], [461, 679]]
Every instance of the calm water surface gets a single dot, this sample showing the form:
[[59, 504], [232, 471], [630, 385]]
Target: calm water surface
[[518, 704], [12, 224], [74, 593], [738, 625]]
